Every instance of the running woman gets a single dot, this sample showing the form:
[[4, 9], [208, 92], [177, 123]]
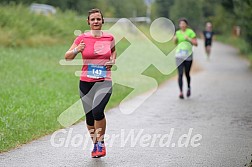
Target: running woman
[[184, 56], [208, 37], [98, 54]]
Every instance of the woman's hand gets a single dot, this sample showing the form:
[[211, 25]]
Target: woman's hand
[[187, 38], [74, 50], [81, 46], [109, 64], [192, 40]]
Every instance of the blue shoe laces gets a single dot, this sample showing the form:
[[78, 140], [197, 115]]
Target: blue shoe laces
[[95, 147], [99, 146]]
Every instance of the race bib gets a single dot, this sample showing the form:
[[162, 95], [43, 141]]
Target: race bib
[[182, 53], [208, 35], [96, 71]]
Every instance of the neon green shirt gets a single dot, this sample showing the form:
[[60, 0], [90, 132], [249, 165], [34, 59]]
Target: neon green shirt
[[184, 48]]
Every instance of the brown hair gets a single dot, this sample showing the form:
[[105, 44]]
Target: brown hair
[[95, 10], [184, 20]]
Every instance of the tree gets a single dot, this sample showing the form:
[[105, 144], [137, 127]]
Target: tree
[[242, 10], [190, 9], [127, 8], [208, 7], [163, 7]]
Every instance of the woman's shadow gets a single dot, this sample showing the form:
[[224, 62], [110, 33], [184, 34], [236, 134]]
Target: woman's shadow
[[96, 162]]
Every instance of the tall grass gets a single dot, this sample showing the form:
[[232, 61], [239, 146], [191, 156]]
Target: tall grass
[[20, 27]]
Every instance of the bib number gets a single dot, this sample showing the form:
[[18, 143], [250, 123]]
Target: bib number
[[208, 35], [182, 53], [96, 71]]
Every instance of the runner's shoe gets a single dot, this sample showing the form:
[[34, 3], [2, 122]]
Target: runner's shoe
[[188, 94], [181, 96], [101, 150], [94, 152]]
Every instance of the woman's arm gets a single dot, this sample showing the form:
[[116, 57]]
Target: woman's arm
[[113, 57], [74, 50], [194, 41], [175, 40], [111, 62]]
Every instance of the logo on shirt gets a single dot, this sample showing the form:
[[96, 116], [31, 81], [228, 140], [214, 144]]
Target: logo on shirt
[[101, 47]]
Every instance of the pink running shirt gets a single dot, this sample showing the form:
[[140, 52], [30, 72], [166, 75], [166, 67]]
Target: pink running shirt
[[96, 53]]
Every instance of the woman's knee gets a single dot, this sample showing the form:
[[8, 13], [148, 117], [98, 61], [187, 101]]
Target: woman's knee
[[90, 119], [98, 114]]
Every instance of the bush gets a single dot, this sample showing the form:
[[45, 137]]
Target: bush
[[20, 27]]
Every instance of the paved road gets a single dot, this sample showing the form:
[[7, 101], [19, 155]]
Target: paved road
[[218, 116]]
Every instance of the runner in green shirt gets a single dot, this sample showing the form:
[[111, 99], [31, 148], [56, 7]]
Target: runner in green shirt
[[185, 38]]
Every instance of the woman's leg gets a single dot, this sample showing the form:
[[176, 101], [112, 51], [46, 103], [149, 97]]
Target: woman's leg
[[180, 64], [208, 48], [188, 65], [101, 98], [95, 97], [87, 96], [208, 44], [91, 127], [100, 126]]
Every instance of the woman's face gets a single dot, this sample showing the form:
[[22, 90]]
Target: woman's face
[[95, 21], [182, 25]]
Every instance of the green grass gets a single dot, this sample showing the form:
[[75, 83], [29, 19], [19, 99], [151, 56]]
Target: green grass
[[35, 89]]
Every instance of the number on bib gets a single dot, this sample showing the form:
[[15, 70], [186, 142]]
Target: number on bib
[[96, 71]]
